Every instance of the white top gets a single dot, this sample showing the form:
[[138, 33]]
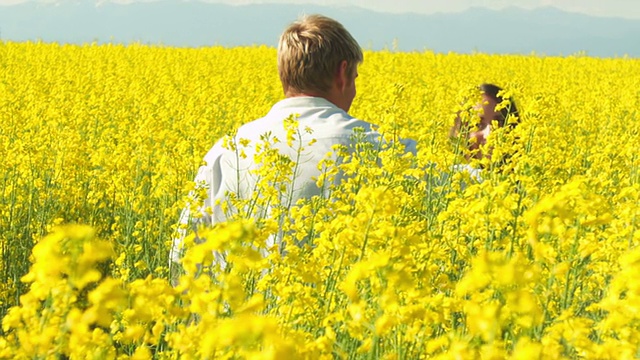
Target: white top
[[318, 119]]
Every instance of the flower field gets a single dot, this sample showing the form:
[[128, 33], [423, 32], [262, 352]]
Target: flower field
[[406, 260]]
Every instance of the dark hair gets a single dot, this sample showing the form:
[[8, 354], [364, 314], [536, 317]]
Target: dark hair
[[492, 91]]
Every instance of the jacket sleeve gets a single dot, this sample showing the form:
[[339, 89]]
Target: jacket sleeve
[[200, 207]]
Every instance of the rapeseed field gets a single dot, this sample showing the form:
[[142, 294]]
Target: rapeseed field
[[406, 260]]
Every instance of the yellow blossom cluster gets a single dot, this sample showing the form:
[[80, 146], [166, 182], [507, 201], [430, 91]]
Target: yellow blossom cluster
[[404, 259]]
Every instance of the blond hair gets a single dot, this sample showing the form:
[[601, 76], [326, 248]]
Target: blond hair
[[310, 52]]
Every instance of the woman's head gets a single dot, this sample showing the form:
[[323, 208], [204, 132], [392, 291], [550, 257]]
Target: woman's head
[[491, 100], [491, 109]]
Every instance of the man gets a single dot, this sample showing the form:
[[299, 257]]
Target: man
[[318, 65]]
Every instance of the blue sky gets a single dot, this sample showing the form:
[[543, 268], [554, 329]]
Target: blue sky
[[612, 8]]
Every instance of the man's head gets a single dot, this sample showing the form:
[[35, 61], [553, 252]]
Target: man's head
[[318, 57]]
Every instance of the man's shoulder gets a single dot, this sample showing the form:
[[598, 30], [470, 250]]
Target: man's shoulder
[[315, 116], [314, 113], [257, 127]]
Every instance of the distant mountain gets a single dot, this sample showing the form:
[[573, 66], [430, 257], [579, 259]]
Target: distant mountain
[[547, 31]]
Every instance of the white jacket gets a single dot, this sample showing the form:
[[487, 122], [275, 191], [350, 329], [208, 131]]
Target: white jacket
[[225, 171]]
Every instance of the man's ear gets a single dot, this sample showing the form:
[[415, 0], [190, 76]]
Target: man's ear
[[342, 76]]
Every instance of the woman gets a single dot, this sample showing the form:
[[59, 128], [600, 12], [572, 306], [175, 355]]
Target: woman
[[471, 129]]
